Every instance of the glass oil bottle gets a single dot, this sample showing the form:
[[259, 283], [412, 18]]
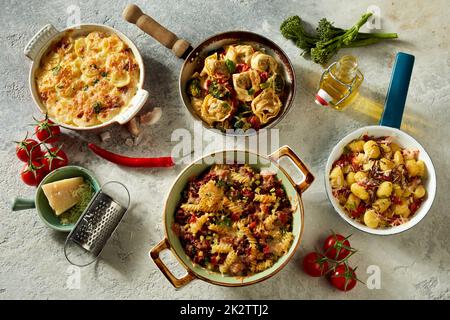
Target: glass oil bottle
[[339, 83]]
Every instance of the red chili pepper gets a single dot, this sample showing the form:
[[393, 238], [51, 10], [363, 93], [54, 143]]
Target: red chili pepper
[[132, 162]]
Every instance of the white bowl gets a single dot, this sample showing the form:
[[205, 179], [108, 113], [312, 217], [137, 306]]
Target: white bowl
[[405, 141], [39, 44]]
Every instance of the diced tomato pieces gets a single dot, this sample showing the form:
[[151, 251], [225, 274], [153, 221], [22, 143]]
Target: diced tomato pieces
[[221, 78], [359, 211], [252, 225], [241, 67], [192, 219], [266, 249], [283, 217], [235, 217], [264, 76], [396, 200], [343, 160], [254, 121], [415, 206], [207, 84]]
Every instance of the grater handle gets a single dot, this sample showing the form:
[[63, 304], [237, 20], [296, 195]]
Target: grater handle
[[176, 282]]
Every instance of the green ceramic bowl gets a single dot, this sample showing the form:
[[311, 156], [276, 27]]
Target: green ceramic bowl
[[40, 201], [173, 243]]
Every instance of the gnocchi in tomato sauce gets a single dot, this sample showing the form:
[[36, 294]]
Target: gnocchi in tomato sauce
[[377, 182]]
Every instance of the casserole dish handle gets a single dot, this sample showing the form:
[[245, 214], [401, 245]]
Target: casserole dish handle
[[176, 282], [135, 106], [39, 40], [133, 14], [286, 151]]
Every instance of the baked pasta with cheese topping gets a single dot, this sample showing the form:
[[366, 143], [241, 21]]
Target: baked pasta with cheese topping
[[235, 220], [87, 80], [239, 87]]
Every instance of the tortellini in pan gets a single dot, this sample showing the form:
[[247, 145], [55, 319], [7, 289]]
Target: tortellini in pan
[[214, 109], [246, 84], [242, 77], [215, 68], [240, 54], [263, 62], [266, 105]]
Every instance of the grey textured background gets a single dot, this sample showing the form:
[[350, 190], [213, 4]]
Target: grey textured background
[[415, 264]]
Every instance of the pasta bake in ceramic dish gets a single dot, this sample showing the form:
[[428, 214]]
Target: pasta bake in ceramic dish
[[235, 220], [233, 223], [86, 77]]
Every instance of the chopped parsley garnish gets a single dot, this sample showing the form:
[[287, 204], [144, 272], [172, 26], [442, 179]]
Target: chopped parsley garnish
[[226, 221], [221, 183], [56, 69], [251, 91], [95, 81], [85, 88], [218, 91], [104, 74], [97, 107], [230, 66], [239, 124]]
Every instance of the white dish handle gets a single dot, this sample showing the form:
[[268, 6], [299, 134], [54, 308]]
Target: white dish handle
[[40, 39], [136, 104]]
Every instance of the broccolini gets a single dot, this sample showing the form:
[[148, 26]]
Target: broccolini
[[329, 39]]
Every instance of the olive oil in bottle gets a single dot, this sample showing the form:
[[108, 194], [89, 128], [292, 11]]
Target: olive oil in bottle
[[339, 83]]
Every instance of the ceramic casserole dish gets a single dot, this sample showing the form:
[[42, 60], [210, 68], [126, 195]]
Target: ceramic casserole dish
[[172, 242], [38, 46]]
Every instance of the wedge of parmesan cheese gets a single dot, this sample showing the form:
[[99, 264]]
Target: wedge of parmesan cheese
[[61, 194]]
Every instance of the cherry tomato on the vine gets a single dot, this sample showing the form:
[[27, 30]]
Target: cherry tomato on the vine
[[28, 149], [337, 247], [54, 158], [343, 278], [315, 264], [33, 173], [47, 131]]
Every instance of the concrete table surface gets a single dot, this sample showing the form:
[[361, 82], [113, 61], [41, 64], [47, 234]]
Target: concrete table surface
[[415, 264]]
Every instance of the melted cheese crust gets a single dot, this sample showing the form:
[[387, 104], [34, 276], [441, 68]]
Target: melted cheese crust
[[87, 80]]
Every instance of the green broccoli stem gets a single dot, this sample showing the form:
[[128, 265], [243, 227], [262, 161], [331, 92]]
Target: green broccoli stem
[[379, 35], [351, 34], [362, 42]]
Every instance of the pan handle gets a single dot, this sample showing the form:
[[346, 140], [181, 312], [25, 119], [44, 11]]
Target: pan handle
[[133, 14], [154, 254], [398, 90], [286, 151]]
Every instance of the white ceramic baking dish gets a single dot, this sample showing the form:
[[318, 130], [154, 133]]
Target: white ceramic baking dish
[[48, 35]]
